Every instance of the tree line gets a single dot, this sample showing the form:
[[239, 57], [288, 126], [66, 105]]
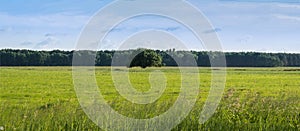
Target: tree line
[[13, 57]]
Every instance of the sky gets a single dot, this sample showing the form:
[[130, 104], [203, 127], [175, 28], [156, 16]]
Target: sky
[[242, 25]]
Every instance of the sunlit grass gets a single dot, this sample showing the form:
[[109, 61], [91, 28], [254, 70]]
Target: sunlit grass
[[43, 98]]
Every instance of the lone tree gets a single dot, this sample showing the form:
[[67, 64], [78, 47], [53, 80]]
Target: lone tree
[[146, 58]]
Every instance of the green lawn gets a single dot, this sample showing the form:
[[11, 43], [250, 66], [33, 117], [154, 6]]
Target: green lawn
[[43, 98]]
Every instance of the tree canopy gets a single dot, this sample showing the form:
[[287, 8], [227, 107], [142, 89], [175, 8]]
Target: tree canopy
[[146, 57]]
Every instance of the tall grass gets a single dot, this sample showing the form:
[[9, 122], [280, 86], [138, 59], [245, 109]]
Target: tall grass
[[43, 98]]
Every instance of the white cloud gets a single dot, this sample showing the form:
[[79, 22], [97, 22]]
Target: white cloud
[[107, 44], [244, 40], [55, 34], [43, 44], [297, 6], [286, 17], [213, 30], [26, 43], [6, 29], [47, 42], [50, 20], [234, 18]]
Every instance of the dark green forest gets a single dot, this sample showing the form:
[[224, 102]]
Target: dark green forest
[[12, 57]]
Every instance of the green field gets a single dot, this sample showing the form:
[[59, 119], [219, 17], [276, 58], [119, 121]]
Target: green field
[[43, 98]]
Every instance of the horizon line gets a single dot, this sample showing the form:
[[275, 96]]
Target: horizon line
[[225, 51]]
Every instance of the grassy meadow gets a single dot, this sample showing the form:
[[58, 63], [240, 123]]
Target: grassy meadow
[[43, 98]]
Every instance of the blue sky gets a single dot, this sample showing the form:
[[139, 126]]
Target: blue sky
[[242, 25]]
